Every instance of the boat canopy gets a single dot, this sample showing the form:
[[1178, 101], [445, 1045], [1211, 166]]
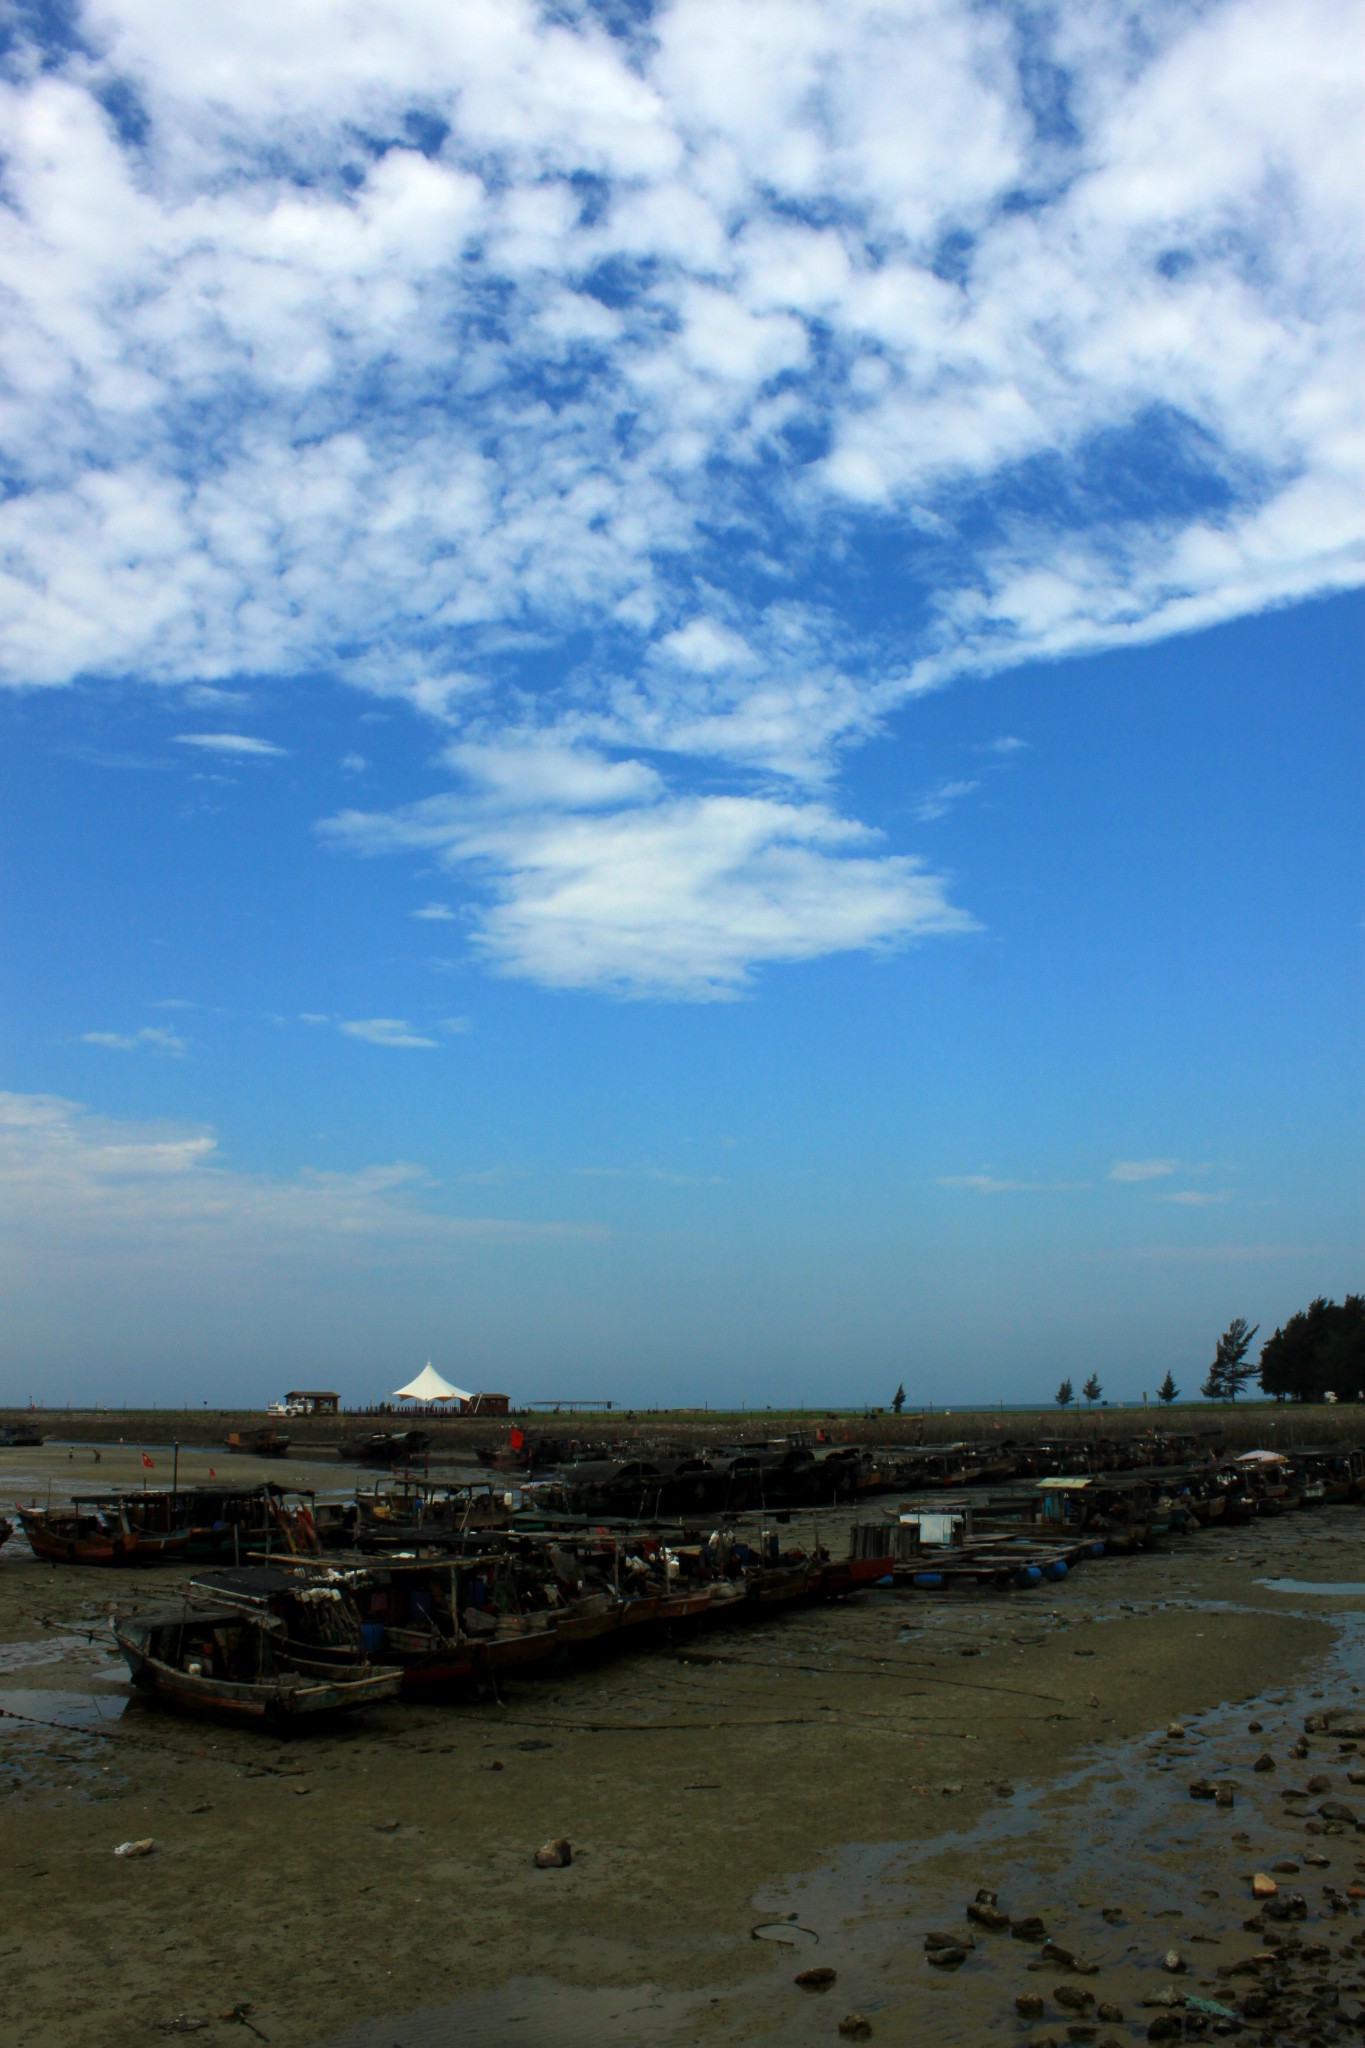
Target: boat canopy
[[429, 1386]]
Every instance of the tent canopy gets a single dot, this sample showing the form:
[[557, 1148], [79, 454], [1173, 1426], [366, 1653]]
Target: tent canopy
[[429, 1386]]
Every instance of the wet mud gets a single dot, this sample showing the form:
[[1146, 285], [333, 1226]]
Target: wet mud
[[853, 1773]]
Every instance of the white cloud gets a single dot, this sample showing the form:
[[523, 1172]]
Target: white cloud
[[524, 770], [151, 1038], [1143, 1169], [702, 644], [434, 913], [682, 897], [1199, 1198], [391, 1031], [235, 743], [73, 1182], [881, 292]]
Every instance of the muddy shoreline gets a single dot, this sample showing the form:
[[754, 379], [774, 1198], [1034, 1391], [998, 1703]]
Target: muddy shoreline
[[1274, 1424], [866, 1767]]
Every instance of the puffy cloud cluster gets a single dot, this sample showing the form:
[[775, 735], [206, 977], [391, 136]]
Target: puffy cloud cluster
[[394, 340]]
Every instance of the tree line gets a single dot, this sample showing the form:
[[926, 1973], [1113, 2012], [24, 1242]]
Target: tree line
[[1320, 1352]]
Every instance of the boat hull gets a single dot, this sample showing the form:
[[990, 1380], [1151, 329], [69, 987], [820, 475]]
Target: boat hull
[[297, 1696], [105, 1547]]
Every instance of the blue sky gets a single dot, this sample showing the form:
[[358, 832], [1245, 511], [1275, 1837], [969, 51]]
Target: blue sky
[[668, 742]]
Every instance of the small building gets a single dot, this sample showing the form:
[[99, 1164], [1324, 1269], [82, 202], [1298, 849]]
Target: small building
[[487, 1404], [308, 1401]]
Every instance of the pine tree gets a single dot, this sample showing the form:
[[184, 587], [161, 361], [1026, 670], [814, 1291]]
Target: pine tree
[[1167, 1391], [1092, 1389], [1231, 1369], [898, 1400], [1064, 1396]]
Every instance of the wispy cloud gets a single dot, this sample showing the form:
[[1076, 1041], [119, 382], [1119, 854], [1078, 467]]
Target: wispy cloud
[[238, 744], [1005, 747], [73, 1183], [212, 697], [1143, 1169], [1225, 1254], [655, 1173], [938, 802], [1197, 1198], [151, 1038], [390, 1031], [434, 913], [988, 1184]]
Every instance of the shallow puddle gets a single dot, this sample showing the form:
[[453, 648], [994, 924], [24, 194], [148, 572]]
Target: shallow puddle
[[93, 1651], [1343, 1589], [35, 1707]]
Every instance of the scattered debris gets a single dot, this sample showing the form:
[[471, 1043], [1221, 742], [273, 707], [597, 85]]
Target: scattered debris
[[818, 1979]]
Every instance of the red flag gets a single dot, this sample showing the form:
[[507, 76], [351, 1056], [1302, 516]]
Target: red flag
[[212, 1473], [148, 1463], [516, 1438]]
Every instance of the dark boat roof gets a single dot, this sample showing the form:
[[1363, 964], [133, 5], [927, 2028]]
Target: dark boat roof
[[257, 1581], [208, 1492], [195, 1617]]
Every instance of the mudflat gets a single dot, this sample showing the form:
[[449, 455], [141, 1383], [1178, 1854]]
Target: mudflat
[[825, 1788]]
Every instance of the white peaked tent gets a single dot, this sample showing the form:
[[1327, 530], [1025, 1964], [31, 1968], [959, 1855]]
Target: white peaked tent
[[429, 1386]]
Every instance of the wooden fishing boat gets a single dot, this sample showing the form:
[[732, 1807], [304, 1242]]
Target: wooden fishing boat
[[217, 1522], [21, 1436], [639, 1608], [232, 1666], [384, 1446], [1330, 1476], [690, 1602], [258, 1443], [73, 1535], [775, 1584], [6, 1531], [587, 1618], [846, 1575]]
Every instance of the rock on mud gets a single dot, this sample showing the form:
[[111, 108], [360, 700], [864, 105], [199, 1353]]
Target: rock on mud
[[1030, 1928], [554, 1855]]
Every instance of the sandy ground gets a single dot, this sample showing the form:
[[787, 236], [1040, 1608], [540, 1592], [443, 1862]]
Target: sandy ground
[[863, 1767]]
